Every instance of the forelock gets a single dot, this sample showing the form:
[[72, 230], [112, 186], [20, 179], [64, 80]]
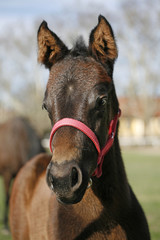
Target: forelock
[[79, 48]]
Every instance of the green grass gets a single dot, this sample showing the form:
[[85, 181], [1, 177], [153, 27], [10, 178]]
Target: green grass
[[2, 199], [143, 170]]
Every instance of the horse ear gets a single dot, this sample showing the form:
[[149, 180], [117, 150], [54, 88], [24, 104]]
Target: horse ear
[[50, 47], [102, 45]]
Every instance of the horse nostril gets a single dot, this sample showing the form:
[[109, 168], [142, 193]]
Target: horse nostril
[[51, 181], [74, 177]]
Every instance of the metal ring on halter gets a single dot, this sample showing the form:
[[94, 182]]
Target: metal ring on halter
[[89, 183]]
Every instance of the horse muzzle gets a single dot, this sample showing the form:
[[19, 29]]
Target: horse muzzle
[[67, 181]]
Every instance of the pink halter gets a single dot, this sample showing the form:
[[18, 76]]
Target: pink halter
[[87, 131]]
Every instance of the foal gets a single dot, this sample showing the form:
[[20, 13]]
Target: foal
[[18, 143], [81, 102]]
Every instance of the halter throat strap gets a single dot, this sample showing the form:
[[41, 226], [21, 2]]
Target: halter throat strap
[[87, 131]]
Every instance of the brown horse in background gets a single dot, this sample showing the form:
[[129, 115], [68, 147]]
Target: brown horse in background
[[80, 87], [18, 143]]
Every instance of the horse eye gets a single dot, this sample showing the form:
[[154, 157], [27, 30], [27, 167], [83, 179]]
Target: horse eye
[[101, 101], [44, 106], [104, 100]]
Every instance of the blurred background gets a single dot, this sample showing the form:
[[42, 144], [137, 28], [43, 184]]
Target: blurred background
[[136, 24]]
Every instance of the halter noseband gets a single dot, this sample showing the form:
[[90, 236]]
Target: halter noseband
[[87, 131]]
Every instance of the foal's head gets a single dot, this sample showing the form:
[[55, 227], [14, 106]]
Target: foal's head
[[80, 86]]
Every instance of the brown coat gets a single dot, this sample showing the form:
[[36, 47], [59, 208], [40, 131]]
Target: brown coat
[[36, 214]]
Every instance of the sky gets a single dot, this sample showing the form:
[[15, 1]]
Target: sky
[[18, 11], [41, 7], [13, 13], [67, 11]]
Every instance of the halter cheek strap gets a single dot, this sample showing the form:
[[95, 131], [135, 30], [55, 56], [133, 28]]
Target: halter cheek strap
[[87, 131]]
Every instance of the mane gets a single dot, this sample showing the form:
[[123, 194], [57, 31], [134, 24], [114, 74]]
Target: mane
[[79, 48]]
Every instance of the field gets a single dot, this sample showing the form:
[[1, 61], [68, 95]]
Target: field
[[143, 169]]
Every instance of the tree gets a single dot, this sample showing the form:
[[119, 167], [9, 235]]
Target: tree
[[141, 42], [21, 82]]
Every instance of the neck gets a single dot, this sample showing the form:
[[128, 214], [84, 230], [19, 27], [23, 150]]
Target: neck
[[102, 203], [112, 187]]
